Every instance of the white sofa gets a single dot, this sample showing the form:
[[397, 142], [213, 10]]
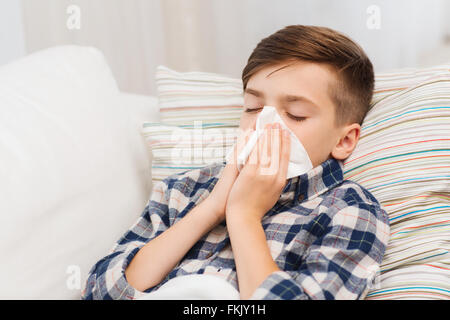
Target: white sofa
[[75, 172]]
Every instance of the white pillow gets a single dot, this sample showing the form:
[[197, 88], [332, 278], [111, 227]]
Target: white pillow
[[73, 170]]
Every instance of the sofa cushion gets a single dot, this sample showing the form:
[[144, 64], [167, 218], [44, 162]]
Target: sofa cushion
[[73, 174]]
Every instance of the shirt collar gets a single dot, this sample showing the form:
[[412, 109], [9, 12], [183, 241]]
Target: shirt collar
[[314, 182]]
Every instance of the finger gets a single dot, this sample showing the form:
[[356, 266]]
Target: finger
[[268, 149], [264, 152], [254, 154], [276, 148], [262, 146], [285, 152], [276, 141]]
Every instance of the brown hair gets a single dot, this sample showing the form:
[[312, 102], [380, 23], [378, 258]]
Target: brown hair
[[353, 90]]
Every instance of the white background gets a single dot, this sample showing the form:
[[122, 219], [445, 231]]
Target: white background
[[219, 35]]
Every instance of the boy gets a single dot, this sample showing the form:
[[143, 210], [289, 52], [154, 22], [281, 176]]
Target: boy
[[314, 236]]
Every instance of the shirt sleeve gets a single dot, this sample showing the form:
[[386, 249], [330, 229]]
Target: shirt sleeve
[[106, 279], [340, 264]]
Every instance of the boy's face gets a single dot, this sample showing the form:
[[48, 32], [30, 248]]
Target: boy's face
[[310, 116]]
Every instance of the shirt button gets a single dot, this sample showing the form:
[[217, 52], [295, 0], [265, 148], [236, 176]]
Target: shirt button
[[301, 197]]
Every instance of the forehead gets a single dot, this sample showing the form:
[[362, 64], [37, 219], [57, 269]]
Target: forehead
[[311, 80]]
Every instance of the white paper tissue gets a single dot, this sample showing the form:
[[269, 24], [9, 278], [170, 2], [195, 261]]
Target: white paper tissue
[[299, 161]]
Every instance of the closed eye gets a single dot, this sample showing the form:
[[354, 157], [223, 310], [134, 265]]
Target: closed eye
[[251, 110], [299, 119], [255, 110]]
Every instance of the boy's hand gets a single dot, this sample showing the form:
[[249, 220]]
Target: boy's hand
[[217, 199], [261, 180]]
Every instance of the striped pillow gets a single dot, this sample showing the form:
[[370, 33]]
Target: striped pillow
[[402, 157], [389, 83], [180, 148], [198, 96]]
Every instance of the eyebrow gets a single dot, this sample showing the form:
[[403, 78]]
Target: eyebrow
[[287, 97]]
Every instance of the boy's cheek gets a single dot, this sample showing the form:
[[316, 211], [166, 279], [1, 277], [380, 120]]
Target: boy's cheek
[[247, 122]]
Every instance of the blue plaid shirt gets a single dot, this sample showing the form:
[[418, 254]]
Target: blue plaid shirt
[[326, 234]]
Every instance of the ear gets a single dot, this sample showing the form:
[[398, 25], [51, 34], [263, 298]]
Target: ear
[[348, 138]]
